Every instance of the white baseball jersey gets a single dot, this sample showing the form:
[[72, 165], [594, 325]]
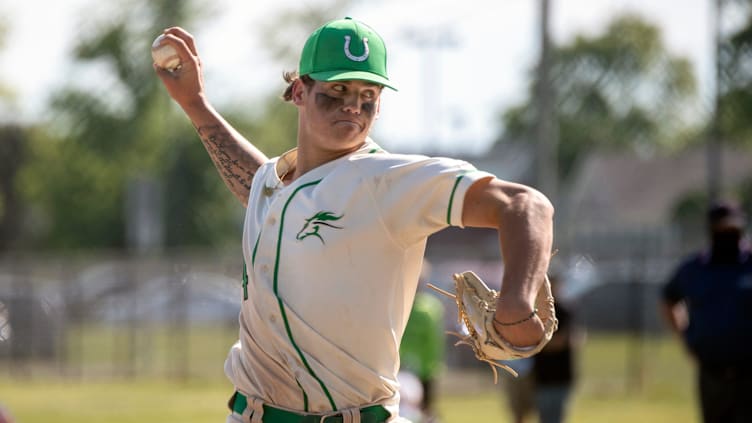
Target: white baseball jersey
[[332, 264]]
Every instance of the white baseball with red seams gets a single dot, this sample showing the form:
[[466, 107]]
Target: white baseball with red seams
[[164, 55]]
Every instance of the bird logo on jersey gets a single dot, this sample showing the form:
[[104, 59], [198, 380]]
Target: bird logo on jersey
[[314, 223]]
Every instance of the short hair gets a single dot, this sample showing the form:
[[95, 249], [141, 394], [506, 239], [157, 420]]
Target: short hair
[[726, 212], [290, 77]]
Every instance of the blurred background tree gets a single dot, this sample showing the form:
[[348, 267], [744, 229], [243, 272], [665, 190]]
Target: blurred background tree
[[104, 133], [730, 126], [11, 155], [617, 90], [735, 84], [65, 181], [12, 141], [108, 134], [6, 94]]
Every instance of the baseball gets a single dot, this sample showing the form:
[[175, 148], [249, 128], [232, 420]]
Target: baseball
[[164, 55]]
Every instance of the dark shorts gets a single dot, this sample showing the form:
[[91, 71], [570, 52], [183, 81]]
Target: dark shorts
[[726, 394]]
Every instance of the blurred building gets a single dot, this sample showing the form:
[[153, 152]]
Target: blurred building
[[615, 190]]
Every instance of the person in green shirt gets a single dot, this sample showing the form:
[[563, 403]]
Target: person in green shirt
[[423, 344]]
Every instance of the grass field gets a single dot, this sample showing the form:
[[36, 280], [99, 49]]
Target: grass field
[[621, 380]]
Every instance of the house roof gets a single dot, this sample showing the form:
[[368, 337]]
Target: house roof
[[633, 191]]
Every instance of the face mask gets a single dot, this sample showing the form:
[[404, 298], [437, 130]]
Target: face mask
[[725, 246]]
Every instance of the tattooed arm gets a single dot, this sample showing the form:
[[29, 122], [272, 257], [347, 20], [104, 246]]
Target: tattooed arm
[[235, 158]]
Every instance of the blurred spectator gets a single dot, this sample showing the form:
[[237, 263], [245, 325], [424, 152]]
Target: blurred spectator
[[554, 368], [546, 380], [422, 348], [708, 302], [519, 390]]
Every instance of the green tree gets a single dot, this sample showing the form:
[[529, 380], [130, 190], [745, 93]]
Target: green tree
[[299, 22], [735, 82], [123, 128], [12, 154], [12, 142], [617, 90], [6, 94], [102, 136]]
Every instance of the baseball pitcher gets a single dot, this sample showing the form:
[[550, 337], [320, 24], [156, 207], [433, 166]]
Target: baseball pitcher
[[334, 237]]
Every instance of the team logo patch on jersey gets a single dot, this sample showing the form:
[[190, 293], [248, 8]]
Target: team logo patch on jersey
[[313, 225]]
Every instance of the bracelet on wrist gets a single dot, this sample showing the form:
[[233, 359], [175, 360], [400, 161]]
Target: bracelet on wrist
[[533, 314]]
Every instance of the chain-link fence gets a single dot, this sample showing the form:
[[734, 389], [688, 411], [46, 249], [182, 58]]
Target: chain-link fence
[[174, 316], [118, 316]]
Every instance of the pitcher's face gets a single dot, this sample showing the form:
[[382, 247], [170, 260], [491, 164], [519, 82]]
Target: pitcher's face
[[339, 114]]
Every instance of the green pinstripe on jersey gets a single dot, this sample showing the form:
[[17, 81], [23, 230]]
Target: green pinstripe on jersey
[[281, 304], [245, 273], [255, 248]]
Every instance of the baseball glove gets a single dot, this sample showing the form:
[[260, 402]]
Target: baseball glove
[[476, 306]]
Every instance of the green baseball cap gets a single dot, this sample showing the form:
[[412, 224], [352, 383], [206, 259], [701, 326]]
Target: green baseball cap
[[345, 49]]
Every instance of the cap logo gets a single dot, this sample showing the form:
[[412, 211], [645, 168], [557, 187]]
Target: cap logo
[[353, 57]]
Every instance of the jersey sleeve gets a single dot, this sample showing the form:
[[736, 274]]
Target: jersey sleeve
[[418, 195]]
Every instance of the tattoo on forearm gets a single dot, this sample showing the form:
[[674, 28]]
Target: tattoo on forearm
[[236, 169]]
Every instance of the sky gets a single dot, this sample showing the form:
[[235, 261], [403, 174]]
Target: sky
[[449, 97]]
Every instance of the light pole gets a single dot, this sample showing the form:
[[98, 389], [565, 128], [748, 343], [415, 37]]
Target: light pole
[[546, 128], [713, 156]]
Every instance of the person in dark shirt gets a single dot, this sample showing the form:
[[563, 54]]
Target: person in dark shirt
[[554, 368], [708, 303]]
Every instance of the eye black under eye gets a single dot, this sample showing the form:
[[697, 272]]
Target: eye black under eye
[[369, 108], [328, 102]]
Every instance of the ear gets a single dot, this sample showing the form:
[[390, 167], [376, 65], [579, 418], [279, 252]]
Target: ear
[[299, 90]]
